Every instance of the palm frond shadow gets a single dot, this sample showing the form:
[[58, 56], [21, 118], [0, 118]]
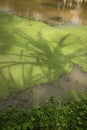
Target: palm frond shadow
[[39, 53]]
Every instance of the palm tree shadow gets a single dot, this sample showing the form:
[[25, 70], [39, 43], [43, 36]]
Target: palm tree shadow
[[50, 59], [40, 55]]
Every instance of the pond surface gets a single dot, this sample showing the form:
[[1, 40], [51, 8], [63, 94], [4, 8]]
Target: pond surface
[[52, 12]]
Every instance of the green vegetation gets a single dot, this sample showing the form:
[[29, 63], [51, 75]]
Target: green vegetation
[[33, 52], [51, 115]]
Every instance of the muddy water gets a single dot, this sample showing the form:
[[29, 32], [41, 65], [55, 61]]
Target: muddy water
[[50, 11], [75, 81]]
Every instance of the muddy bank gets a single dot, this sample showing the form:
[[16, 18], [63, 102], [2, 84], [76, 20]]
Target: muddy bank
[[75, 81]]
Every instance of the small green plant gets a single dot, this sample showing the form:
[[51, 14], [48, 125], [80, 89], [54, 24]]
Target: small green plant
[[53, 114]]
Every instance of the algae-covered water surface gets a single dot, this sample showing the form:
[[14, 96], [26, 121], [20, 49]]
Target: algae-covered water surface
[[33, 52]]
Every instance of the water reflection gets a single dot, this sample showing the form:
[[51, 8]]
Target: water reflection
[[47, 11]]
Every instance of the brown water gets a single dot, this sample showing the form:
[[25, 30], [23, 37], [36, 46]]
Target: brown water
[[50, 11]]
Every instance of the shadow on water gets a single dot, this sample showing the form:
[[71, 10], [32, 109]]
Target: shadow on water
[[39, 55], [61, 5], [66, 86], [37, 60], [5, 43], [57, 19]]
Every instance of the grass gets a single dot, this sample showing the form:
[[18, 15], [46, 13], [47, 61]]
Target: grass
[[33, 52], [52, 115]]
